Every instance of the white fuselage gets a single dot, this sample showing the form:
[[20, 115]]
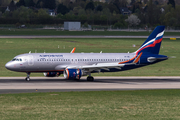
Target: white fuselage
[[45, 62]]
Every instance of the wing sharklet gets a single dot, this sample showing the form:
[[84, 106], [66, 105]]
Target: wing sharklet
[[73, 50]]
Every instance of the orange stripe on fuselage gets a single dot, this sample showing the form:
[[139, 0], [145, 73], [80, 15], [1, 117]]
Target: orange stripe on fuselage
[[127, 60], [137, 59], [132, 59]]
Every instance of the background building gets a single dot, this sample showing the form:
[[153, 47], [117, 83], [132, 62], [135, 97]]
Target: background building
[[72, 25]]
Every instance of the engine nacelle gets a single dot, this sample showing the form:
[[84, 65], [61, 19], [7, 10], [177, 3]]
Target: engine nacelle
[[73, 74], [51, 74]]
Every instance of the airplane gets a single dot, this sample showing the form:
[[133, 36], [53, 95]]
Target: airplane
[[75, 65]]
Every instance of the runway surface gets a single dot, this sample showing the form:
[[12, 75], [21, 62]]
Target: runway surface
[[75, 36], [58, 84]]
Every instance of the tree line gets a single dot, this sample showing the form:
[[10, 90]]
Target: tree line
[[143, 14]]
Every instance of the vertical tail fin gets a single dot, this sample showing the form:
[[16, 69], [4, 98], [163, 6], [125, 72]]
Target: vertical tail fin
[[153, 42]]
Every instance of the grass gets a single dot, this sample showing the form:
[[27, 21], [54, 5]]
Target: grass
[[97, 105], [9, 48], [57, 32]]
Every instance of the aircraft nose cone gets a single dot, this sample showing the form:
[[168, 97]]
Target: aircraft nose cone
[[9, 66]]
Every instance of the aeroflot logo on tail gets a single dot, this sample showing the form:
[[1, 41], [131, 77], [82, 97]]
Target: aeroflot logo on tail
[[50, 55]]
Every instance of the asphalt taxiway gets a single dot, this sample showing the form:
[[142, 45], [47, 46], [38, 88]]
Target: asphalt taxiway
[[58, 84]]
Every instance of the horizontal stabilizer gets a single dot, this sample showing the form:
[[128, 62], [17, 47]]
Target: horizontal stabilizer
[[153, 59]]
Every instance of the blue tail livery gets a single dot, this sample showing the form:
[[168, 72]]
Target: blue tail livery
[[153, 42]]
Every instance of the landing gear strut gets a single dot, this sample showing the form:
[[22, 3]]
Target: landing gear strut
[[28, 76]]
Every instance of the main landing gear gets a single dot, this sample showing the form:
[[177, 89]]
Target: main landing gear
[[28, 76], [90, 78]]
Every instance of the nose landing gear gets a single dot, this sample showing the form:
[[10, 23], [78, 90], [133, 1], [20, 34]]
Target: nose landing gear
[[28, 76]]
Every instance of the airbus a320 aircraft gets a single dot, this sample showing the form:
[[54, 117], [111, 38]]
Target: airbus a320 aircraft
[[74, 65]]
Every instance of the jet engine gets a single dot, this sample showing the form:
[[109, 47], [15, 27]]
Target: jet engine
[[51, 74], [73, 74]]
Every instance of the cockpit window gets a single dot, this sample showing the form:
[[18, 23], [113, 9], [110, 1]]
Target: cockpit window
[[16, 59]]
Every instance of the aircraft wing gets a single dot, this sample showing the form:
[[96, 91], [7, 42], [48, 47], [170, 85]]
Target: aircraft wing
[[106, 66], [93, 67], [97, 66]]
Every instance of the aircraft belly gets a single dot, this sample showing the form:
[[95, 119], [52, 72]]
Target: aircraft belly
[[41, 67]]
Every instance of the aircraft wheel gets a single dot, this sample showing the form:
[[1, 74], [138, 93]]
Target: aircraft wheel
[[90, 78], [27, 79]]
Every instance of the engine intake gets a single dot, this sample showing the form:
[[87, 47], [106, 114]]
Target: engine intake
[[73, 74]]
